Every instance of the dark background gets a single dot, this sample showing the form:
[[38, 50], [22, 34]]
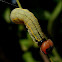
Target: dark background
[[10, 50]]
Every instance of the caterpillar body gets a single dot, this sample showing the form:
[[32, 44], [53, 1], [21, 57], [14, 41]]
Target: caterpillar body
[[19, 15]]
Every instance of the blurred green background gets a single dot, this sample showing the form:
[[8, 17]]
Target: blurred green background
[[16, 44]]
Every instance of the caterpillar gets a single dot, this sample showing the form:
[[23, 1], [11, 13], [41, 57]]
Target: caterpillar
[[19, 15]]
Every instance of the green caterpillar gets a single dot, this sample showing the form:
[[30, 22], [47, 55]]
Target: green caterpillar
[[19, 15]]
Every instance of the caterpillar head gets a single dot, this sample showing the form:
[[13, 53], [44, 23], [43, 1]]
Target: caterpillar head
[[47, 46]]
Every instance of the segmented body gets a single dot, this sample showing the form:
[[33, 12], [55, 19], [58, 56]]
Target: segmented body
[[19, 15]]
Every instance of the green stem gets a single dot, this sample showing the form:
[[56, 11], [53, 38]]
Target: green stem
[[55, 56], [18, 3], [53, 17]]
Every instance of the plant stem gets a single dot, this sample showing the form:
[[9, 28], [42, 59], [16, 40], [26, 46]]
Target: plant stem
[[55, 56], [18, 3], [53, 17]]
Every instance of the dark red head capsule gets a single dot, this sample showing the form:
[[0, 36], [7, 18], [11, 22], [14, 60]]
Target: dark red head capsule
[[47, 46]]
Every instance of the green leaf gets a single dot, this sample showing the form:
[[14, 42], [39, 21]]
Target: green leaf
[[6, 15]]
